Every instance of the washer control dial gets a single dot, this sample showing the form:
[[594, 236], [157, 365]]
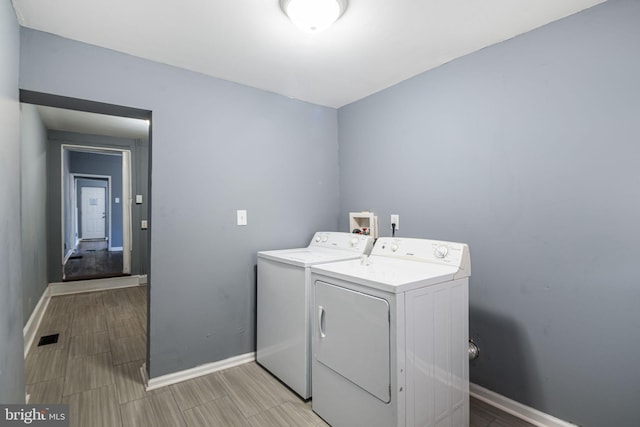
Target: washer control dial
[[394, 247], [353, 241], [325, 238], [318, 238], [441, 251]]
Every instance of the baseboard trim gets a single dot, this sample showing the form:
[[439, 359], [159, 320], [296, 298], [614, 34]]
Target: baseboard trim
[[30, 329], [115, 248], [66, 257], [145, 377], [142, 279], [517, 409], [188, 374], [66, 288]]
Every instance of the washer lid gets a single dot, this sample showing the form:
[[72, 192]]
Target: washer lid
[[306, 257], [388, 274]]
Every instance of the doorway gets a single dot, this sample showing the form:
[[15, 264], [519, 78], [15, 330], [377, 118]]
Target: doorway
[[96, 212], [90, 127], [92, 213]]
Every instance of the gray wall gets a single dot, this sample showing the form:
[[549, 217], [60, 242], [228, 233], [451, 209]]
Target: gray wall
[[33, 161], [108, 165], [527, 150], [140, 167], [216, 147], [11, 340]]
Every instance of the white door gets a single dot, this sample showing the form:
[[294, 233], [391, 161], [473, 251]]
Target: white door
[[93, 212], [352, 331]]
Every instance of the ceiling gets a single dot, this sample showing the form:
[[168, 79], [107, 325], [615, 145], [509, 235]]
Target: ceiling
[[376, 43], [92, 123]]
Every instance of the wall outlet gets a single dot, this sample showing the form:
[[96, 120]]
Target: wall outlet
[[144, 224], [395, 219], [138, 199], [242, 217]]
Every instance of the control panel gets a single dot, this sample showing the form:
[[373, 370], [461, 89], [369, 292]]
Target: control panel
[[344, 241], [422, 250]]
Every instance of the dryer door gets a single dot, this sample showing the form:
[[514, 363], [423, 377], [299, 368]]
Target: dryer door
[[352, 331]]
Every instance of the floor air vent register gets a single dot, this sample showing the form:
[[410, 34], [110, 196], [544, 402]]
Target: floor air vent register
[[48, 339]]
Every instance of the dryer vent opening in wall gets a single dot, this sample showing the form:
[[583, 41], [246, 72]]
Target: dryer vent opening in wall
[[48, 339]]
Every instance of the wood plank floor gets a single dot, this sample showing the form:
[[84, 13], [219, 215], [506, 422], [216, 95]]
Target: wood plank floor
[[92, 260], [95, 368]]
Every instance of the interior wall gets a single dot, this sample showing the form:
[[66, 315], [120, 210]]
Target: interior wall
[[139, 152], [216, 147], [11, 316], [528, 151], [108, 165], [33, 166]]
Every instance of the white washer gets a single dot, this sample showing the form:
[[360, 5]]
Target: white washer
[[284, 304], [390, 336]]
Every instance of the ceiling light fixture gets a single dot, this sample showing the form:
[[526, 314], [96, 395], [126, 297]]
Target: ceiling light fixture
[[313, 16]]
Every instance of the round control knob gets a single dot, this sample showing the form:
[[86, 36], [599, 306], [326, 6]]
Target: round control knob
[[354, 241], [317, 238], [394, 247], [441, 251], [325, 238]]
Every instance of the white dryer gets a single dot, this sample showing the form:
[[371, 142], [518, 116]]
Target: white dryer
[[284, 303], [390, 336]]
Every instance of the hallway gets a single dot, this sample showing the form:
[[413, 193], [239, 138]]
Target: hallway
[[91, 259]]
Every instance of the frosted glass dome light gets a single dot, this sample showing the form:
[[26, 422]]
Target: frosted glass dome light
[[313, 16]]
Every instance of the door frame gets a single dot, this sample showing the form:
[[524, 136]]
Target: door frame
[[127, 231], [75, 223]]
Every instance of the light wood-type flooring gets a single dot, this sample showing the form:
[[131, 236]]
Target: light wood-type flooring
[[95, 368]]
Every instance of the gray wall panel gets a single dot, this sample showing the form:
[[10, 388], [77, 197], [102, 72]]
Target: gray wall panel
[[528, 151], [217, 147], [33, 161], [11, 316]]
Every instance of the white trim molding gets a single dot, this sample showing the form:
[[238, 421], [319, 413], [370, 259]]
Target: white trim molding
[[517, 409], [66, 257], [30, 329], [188, 374]]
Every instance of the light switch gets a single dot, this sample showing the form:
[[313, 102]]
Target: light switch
[[138, 199], [242, 217], [117, 199], [144, 224]]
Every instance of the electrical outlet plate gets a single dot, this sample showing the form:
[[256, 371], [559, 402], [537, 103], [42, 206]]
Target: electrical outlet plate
[[395, 219]]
